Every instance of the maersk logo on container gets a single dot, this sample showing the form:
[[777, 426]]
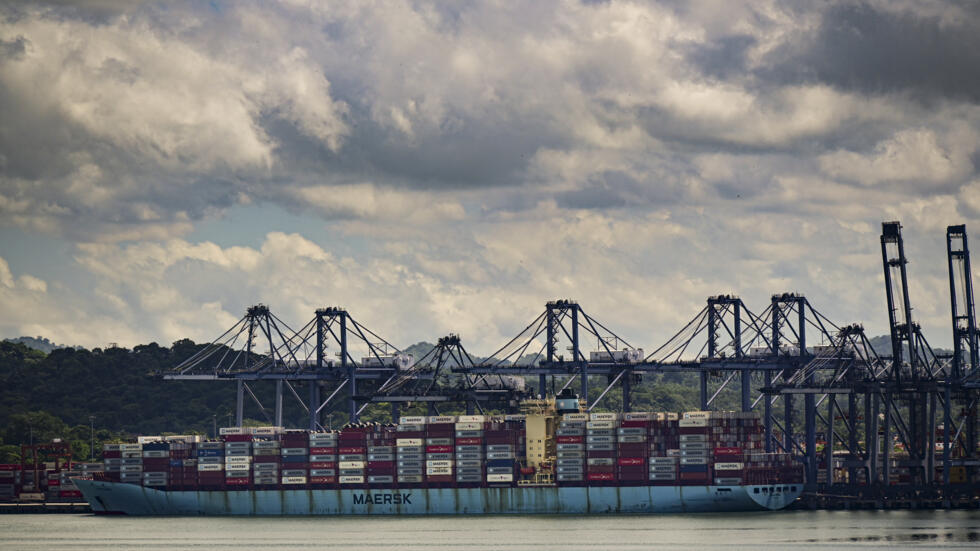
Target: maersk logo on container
[[383, 499]]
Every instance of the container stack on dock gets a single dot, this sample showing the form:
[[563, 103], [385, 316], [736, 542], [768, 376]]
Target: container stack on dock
[[10, 481]]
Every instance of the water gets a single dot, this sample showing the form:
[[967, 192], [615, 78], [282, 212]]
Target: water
[[749, 531]]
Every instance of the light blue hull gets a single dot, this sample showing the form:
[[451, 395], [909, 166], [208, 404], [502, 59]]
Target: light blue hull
[[130, 499]]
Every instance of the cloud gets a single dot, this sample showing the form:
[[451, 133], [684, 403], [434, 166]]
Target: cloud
[[928, 49], [910, 155], [462, 164]]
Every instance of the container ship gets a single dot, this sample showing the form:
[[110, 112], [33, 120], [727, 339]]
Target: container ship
[[549, 460]]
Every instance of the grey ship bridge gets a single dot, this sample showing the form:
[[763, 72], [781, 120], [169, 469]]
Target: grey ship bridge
[[835, 393]]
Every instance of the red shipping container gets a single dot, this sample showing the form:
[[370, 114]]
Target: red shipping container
[[347, 431], [692, 430], [438, 449], [637, 449], [469, 441], [569, 439], [598, 454], [237, 438], [600, 476], [411, 434], [11, 466], [623, 461], [601, 468], [728, 451], [323, 480], [351, 450], [440, 478], [633, 477], [70, 493], [322, 465], [381, 464], [265, 459], [323, 451], [237, 481], [113, 454]]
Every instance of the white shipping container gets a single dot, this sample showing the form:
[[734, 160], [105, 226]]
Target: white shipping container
[[603, 417], [639, 416], [601, 424], [350, 465], [294, 480], [238, 460], [729, 466], [224, 431], [471, 419], [437, 471], [441, 419], [469, 426], [403, 442], [210, 467], [690, 423], [500, 478], [438, 464], [351, 479], [575, 417], [266, 431], [412, 420]]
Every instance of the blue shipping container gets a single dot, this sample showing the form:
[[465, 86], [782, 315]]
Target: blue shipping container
[[210, 453]]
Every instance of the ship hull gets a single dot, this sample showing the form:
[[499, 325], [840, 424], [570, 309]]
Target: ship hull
[[130, 499]]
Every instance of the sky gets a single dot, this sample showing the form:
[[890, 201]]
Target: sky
[[450, 167]]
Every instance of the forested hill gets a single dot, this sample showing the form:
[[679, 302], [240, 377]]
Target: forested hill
[[55, 394]]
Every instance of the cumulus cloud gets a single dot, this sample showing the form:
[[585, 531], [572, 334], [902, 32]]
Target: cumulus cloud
[[481, 157]]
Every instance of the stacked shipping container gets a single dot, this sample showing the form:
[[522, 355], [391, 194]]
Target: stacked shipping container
[[599, 449]]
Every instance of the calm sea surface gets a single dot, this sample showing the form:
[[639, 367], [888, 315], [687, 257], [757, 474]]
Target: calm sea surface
[[783, 530]]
